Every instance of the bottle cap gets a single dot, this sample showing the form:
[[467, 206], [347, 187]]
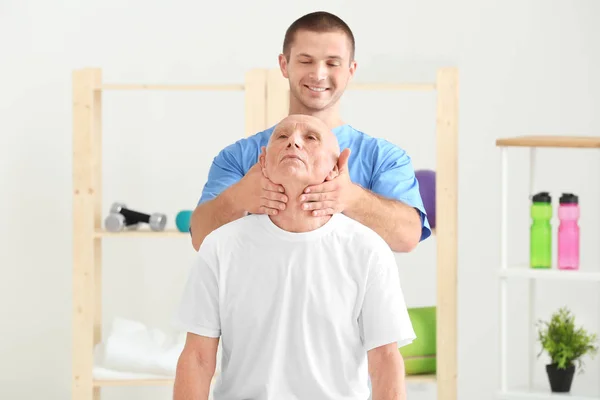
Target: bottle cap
[[542, 197], [569, 198]]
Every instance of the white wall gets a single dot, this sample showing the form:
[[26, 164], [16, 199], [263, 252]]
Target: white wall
[[525, 67]]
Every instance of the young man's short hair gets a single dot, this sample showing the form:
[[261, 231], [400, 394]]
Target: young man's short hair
[[318, 21]]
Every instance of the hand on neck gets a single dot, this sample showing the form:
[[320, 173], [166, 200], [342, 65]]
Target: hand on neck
[[294, 218]]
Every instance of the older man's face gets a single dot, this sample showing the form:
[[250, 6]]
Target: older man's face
[[301, 148]]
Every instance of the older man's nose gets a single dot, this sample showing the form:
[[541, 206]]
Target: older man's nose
[[295, 141]]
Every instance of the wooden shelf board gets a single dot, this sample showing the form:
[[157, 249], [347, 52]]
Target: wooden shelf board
[[392, 86], [240, 87], [141, 233], [175, 87], [133, 382], [551, 141], [145, 233], [425, 378]]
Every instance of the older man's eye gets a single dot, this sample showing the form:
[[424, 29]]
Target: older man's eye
[[312, 137]]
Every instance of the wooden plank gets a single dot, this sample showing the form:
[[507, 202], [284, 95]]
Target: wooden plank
[[255, 101], [84, 180], [423, 87], [446, 231], [141, 382], [142, 233], [171, 87], [133, 382], [97, 198], [424, 378], [592, 142], [278, 97]]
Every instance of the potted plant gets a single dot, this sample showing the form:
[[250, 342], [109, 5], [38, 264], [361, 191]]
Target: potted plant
[[565, 344]]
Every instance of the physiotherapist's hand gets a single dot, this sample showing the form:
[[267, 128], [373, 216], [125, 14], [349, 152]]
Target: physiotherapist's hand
[[333, 196], [260, 195]]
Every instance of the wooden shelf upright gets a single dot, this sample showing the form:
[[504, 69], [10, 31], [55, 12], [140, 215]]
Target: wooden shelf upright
[[88, 232]]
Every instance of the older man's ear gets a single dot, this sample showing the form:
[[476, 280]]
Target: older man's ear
[[340, 166], [262, 161], [333, 173]]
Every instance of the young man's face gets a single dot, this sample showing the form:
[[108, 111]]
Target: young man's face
[[319, 68]]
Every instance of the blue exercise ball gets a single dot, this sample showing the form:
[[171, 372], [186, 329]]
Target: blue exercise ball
[[426, 179]]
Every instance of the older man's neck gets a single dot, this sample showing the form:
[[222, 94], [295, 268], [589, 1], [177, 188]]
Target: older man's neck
[[294, 218]]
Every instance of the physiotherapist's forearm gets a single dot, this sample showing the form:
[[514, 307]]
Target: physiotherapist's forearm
[[397, 223], [192, 379], [213, 214]]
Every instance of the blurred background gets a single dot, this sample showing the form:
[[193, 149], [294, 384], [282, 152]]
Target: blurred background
[[525, 67]]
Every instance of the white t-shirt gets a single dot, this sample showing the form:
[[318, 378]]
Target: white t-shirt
[[296, 312]]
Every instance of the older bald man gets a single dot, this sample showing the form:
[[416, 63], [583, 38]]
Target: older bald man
[[305, 307]]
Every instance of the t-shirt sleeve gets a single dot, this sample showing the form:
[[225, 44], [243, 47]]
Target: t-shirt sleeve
[[395, 178], [225, 170], [384, 317], [198, 310]]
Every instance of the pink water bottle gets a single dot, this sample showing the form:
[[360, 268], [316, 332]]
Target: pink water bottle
[[568, 232]]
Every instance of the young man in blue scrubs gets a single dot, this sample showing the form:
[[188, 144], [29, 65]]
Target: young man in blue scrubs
[[376, 185]]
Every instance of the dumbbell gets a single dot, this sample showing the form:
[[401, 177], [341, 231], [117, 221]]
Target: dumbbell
[[118, 222], [156, 221]]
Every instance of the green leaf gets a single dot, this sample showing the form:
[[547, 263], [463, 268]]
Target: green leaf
[[564, 343]]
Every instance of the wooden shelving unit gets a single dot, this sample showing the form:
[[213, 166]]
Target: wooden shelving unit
[[169, 233], [98, 383], [428, 378], [524, 272], [266, 102], [564, 142]]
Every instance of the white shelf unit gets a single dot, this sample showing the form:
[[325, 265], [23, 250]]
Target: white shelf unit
[[523, 271], [540, 395], [266, 102]]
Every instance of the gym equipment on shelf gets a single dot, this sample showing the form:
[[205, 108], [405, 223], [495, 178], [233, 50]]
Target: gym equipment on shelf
[[115, 222], [156, 221], [426, 179], [182, 220], [421, 355]]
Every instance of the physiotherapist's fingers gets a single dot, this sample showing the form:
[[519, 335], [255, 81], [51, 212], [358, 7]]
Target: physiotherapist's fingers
[[343, 160], [272, 204], [321, 196], [321, 213], [270, 186], [318, 205], [276, 196], [267, 210], [328, 186]]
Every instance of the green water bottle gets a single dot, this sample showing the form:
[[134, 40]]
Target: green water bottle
[[540, 246]]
